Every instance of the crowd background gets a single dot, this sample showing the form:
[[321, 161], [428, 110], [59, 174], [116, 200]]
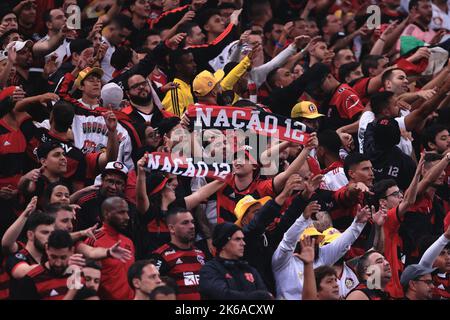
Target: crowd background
[[359, 211]]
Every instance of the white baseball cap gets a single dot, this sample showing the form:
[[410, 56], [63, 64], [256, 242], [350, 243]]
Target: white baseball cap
[[19, 45], [112, 94], [116, 166]]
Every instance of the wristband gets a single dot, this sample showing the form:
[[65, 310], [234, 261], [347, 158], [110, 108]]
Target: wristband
[[108, 253]]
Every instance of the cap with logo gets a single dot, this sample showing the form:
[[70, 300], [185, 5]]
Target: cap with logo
[[244, 204], [86, 72], [205, 81], [112, 95], [117, 167], [414, 271], [305, 109]]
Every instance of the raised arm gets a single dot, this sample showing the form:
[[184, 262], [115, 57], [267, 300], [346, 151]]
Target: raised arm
[[202, 194], [411, 192], [9, 240], [112, 147], [433, 174], [142, 201], [280, 179], [309, 279], [435, 249]]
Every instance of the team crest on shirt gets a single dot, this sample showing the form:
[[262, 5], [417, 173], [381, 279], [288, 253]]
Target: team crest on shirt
[[351, 101], [349, 283], [249, 277], [200, 259]]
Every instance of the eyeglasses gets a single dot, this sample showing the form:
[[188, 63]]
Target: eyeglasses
[[428, 282], [395, 194], [137, 85]]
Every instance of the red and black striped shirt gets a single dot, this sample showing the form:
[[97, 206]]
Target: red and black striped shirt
[[41, 284], [441, 288], [372, 294], [183, 265]]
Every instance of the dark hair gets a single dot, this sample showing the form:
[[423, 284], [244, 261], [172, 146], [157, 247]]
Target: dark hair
[[268, 27], [330, 140], [122, 21], [60, 239], [93, 265], [165, 290], [321, 272], [430, 133], [380, 188], [415, 3], [353, 159], [187, 28], [63, 114], [380, 101], [38, 218], [85, 293], [49, 190], [173, 212], [54, 208], [431, 157], [121, 57], [388, 74], [205, 15], [78, 45], [135, 271], [176, 57], [271, 78], [362, 265], [370, 61], [346, 69]]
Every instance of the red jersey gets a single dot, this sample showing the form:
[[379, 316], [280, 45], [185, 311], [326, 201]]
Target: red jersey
[[114, 282], [393, 245], [41, 284], [228, 196], [441, 288], [361, 86], [182, 265], [343, 106]]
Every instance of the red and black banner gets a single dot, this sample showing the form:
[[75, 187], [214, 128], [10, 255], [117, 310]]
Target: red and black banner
[[257, 120], [187, 167]]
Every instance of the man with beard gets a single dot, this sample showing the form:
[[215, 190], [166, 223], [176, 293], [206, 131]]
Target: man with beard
[[179, 259], [143, 110], [38, 228], [114, 281], [369, 264], [49, 280], [113, 183]]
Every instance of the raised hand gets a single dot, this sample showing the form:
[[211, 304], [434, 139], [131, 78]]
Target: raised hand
[[142, 163], [234, 18], [175, 41], [47, 97], [302, 41], [188, 16], [307, 253], [30, 207], [293, 183], [90, 232], [77, 259], [380, 216], [120, 253], [313, 142], [110, 121], [51, 66], [12, 55], [8, 193], [18, 94], [311, 209], [363, 214]]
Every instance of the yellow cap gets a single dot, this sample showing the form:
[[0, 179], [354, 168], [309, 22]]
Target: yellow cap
[[305, 109], [312, 232], [242, 206], [85, 73], [330, 234], [205, 81]]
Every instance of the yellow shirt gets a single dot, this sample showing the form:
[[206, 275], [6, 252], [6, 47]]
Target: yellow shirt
[[177, 100]]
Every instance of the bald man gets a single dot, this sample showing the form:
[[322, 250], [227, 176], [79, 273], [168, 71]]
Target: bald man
[[114, 282]]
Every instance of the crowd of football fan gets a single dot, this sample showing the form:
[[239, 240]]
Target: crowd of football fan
[[360, 211]]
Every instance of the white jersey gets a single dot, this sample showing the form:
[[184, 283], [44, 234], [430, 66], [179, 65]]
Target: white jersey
[[91, 135], [334, 179], [107, 68], [347, 282]]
